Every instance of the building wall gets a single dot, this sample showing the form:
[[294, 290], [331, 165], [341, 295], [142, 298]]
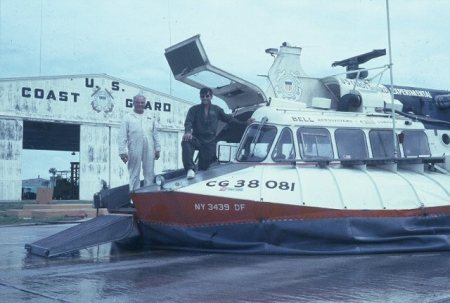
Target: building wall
[[95, 102], [10, 159], [95, 155]]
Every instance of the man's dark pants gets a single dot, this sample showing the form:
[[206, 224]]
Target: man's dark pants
[[206, 153]]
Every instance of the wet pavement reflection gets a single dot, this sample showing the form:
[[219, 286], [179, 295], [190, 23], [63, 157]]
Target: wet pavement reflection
[[108, 273]]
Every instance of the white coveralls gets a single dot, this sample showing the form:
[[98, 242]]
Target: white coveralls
[[138, 137]]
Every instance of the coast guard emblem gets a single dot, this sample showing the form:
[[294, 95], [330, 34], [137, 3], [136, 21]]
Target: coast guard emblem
[[102, 101], [288, 85]]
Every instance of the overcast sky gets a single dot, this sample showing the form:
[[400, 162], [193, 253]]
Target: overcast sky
[[126, 38]]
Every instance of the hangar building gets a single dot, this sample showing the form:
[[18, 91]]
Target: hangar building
[[79, 113]]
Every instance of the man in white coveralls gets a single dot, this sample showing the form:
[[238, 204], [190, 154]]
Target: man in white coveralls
[[139, 143]]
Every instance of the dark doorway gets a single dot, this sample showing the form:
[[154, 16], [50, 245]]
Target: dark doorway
[[51, 136]]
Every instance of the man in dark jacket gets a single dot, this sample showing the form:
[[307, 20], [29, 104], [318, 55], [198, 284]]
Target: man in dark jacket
[[200, 132]]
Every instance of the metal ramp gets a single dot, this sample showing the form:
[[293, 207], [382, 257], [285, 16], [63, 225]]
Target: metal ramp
[[100, 230]]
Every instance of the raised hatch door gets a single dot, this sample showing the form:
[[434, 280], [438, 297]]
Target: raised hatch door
[[190, 64]]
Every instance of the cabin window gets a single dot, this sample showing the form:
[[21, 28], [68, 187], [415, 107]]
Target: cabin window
[[315, 143], [382, 143], [351, 144], [284, 149], [256, 144], [415, 143]]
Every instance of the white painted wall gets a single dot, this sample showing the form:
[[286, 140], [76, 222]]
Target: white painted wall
[[94, 159], [10, 159]]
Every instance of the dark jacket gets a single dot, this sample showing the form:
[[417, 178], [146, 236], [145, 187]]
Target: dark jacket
[[203, 127]]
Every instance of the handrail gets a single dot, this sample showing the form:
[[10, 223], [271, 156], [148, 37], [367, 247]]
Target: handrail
[[367, 161]]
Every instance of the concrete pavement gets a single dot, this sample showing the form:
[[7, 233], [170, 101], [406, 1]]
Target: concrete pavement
[[108, 274]]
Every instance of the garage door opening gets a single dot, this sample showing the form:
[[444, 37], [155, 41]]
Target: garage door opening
[[51, 159]]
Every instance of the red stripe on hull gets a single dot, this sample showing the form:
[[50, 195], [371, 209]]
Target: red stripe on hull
[[192, 210]]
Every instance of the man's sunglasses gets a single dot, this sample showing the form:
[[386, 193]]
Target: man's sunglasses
[[205, 96]]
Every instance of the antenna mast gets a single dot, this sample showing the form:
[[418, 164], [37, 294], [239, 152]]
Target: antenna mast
[[391, 78], [170, 43]]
